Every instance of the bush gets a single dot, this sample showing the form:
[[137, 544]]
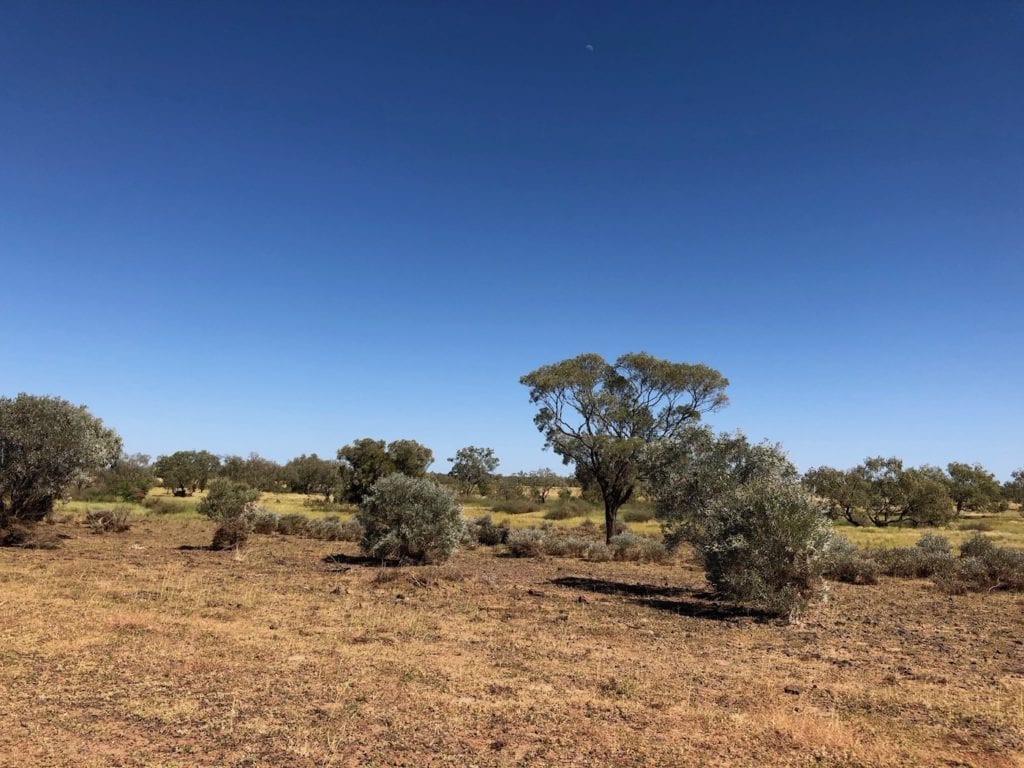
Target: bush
[[227, 499], [631, 546], [487, 533], [520, 506], [983, 567], [333, 529], [569, 508], [264, 521], [292, 524], [762, 544], [977, 546], [928, 557], [638, 515], [842, 561], [564, 546], [158, 506], [410, 519], [116, 520], [526, 542], [232, 533], [599, 552]]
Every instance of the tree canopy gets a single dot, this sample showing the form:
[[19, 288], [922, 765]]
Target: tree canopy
[[365, 461], [186, 472], [46, 445], [601, 416], [472, 468]]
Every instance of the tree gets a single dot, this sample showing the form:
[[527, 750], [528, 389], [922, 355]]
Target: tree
[[882, 492], [472, 468], [688, 476], [365, 461], [601, 416], [312, 475], [255, 471], [232, 505], [542, 482], [409, 518], [1013, 490], [844, 493], [186, 472], [973, 488], [128, 478], [46, 445]]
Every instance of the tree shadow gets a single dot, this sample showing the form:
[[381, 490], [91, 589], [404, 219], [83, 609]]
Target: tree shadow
[[697, 604]]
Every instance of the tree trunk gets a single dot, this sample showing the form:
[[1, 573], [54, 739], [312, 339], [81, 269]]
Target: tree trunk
[[610, 513]]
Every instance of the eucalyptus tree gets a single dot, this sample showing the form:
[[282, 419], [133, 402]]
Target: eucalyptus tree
[[46, 445], [473, 467], [973, 488], [601, 417]]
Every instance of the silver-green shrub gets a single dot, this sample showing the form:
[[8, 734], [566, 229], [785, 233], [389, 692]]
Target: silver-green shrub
[[411, 519]]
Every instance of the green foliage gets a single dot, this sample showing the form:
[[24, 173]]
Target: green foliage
[[983, 567], [687, 477], [931, 555], [472, 468], [973, 488], [412, 519], [128, 478], [631, 546], [312, 476], [842, 561], [254, 471], [47, 445], [762, 544], [292, 524], [366, 461], [227, 499], [186, 472], [541, 482], [1013, 490], [520, 506], [600, 416], [882, 492], [264, 521]]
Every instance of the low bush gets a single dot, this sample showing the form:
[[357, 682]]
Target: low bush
[[638, 515], [526, 542], [28, 537], [566, 509], [519, 506], [599, 552], [264, 521], [487, 533], [333, 529], [974, 525], [226, 499], [292, 524], [631, 546], [232, 533], [116, 520], [410, 519], [983, 567], [158, 506], [564, 546], [931, 555], [842, 561]]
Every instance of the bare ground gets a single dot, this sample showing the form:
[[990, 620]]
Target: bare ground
[[124, 650]]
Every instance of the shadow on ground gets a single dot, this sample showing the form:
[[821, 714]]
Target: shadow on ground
[[679, 600]]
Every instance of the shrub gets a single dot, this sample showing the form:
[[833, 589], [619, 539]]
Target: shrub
[[520, 506], [564, 546], [977, 546], [232, 533], [264, 521], [569, 508], [227, 499], [158, 506], [638, 515], [842, 561], [489, 534], [762, 544], [526, 542], [599, 552], [411, 519], [292, 524], [631, 546], [929, 556], [974, 525], [116, 520], [333, 529]]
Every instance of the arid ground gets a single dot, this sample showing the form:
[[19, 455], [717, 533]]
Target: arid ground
[[136, 649]]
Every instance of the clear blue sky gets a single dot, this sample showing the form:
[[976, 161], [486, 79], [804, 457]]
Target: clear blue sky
[[280, 227]]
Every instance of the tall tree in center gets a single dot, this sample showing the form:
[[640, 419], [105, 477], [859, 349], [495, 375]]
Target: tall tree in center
[[601, 416]]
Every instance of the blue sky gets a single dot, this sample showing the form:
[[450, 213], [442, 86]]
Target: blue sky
[[277, 228]]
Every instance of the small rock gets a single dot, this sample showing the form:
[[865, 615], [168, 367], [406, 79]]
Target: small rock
[[792, 690]]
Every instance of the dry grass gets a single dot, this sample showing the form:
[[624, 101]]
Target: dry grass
[[126, 650]]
